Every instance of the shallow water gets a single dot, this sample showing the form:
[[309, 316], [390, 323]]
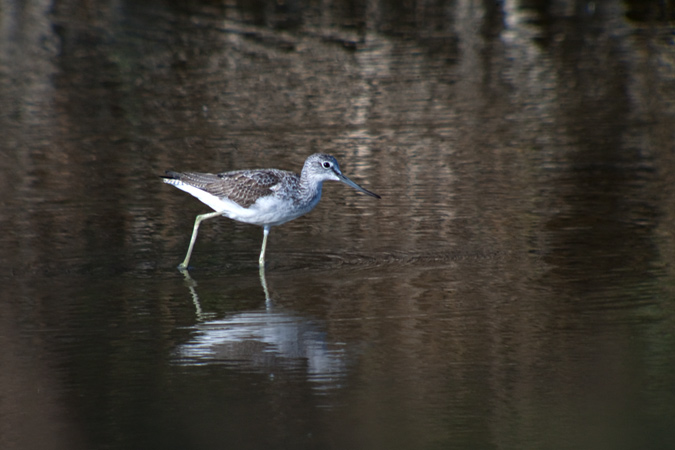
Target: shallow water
[[513, 288]]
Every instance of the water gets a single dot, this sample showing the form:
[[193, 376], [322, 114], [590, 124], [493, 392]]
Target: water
[[512, 289]]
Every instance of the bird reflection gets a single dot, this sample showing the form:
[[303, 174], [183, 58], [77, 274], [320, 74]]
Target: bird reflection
[[267, 340]]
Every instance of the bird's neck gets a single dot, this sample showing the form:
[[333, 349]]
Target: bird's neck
[[310, 190]]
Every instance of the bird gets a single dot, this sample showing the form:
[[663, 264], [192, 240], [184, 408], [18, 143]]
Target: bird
[[264, 197]]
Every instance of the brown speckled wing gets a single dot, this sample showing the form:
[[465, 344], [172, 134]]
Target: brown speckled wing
[[242, 187]]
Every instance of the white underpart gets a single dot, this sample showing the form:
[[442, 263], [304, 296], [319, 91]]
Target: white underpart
[[270, 211]]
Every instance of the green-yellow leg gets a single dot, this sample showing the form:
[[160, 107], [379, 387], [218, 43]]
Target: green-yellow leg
[[198, 220], [261, 260], [263, 282]]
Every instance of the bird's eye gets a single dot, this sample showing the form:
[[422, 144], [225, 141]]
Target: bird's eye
[[326, 165]]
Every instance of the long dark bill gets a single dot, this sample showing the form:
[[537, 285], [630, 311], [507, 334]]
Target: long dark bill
[[349, 182]]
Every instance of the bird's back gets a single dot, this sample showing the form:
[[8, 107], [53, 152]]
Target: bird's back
[[244, 187]]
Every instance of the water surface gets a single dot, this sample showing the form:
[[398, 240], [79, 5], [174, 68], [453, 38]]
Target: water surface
[[513, 288]]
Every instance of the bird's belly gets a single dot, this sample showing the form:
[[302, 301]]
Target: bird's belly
[[270, 211]]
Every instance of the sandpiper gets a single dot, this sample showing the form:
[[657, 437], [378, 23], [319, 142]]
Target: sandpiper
[[265, 197]]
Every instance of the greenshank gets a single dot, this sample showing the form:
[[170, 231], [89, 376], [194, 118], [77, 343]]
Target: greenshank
[[264, 197]]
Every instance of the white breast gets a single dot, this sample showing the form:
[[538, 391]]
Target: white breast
[[271, 210]]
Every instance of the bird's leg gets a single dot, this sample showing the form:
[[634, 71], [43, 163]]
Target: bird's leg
[[261, 260], [263, 282], [198, 220]]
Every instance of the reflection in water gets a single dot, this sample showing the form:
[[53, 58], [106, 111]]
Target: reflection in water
[[513, 288], [265, 340]]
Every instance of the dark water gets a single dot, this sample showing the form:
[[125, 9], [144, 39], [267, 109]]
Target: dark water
[[514, 288]]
